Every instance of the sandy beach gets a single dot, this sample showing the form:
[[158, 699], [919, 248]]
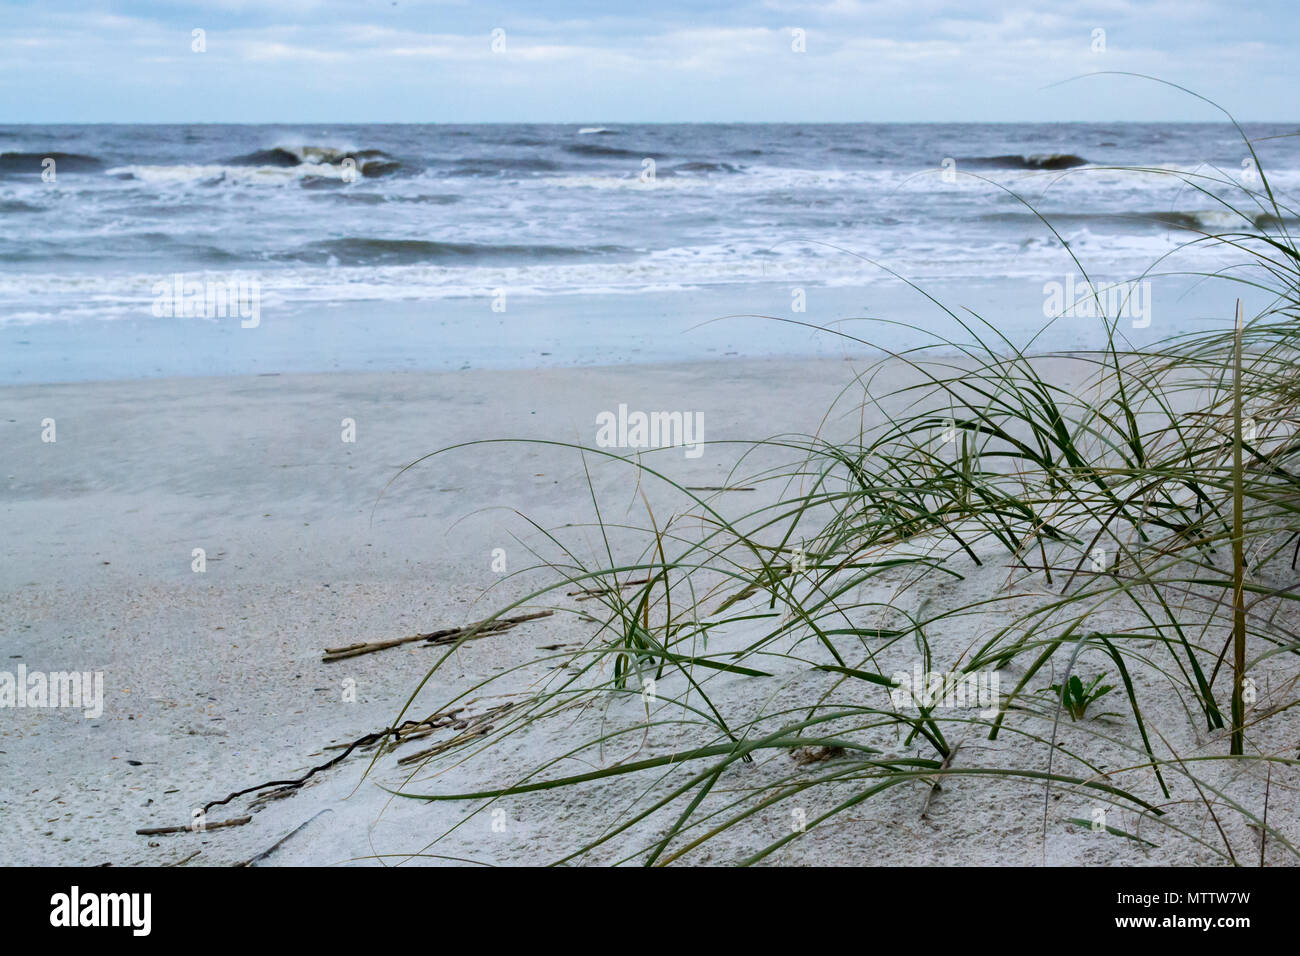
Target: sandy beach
[[214, 681]]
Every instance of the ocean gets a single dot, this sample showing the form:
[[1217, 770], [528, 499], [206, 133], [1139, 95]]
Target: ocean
[[401, 246]]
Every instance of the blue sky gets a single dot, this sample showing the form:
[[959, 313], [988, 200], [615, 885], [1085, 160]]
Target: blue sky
[[660, 61]]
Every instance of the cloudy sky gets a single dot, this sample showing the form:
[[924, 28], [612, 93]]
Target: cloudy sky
[[642, 60]]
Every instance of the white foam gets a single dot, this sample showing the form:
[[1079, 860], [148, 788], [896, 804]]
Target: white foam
[[243, 175]]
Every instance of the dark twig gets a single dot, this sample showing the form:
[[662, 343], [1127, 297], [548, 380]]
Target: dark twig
[[284, 839], [447, 635]]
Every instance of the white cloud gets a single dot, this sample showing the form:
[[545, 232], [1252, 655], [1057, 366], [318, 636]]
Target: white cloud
[[865, 59]]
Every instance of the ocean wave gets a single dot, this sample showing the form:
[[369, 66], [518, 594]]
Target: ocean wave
[[514, 207], [283, 164], [596, 131], [17, 205], [244, 175], [496, 166], [597, 149], [297, 155], [215, 174], [747, 180], [275, 156], [373, 251], [33, 162], [1204, 220], [354, 197], [48, 295], [1225, 220], [699, 167], [1036, 161], [123, 245], [433, 199], [663, 180]]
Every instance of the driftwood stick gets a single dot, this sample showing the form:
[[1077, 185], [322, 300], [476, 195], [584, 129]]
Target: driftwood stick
[[409, 728], [296, 783], [585, 594], [353, 650], [446, 635], [412, 729], [477, 726], [190, 828], [283, 840]]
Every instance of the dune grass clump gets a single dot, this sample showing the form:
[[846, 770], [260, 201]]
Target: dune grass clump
[[1095, 551]]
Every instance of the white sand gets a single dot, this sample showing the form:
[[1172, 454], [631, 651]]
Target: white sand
[[214, 681]]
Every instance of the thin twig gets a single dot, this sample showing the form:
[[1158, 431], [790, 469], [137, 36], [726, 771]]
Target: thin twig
[[191, 828], [284, 839], [447, 635]]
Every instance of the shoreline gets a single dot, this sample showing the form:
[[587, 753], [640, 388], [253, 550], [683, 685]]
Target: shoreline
[[571, 331]]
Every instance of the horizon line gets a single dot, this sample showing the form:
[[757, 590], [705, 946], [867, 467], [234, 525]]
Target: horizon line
[[345, 122]]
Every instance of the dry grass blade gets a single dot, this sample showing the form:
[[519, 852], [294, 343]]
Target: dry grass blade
[[448, 635]]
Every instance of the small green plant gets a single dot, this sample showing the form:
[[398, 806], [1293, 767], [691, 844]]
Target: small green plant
[[1076, 696]]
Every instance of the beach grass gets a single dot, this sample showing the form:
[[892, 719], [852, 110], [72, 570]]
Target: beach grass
[[1141, 520]]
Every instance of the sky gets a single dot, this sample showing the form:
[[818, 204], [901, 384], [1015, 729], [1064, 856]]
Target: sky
[[422, 61]]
